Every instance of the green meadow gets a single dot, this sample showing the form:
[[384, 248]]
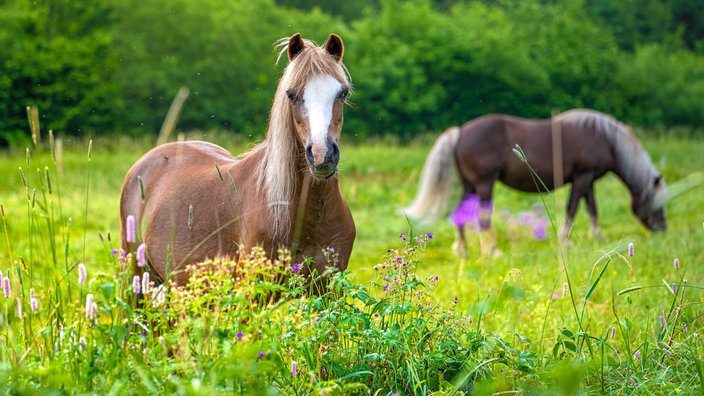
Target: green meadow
[[538, 317]]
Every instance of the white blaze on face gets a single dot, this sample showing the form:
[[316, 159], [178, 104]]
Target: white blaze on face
[[319, 97]]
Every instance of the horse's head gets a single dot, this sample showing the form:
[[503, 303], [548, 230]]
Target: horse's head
[[317, 88], [650, 207]]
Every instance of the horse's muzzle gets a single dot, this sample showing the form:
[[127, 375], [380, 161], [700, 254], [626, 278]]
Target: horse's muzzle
[[325, 168]]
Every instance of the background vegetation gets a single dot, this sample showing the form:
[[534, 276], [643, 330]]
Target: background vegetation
[[99, 68]]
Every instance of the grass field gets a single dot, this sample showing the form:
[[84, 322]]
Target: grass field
[[625, 324]]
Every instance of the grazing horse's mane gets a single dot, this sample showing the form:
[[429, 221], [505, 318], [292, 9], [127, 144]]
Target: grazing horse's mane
[[635, 166], [277, 173]]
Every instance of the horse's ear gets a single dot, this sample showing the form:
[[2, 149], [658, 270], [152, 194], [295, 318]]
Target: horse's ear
[[295, 46], [335, 47]]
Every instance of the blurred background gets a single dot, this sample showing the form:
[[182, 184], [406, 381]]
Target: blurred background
[[109, 67]]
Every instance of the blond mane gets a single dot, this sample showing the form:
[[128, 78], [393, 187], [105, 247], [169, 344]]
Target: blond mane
[[636, 167], [277, 174]]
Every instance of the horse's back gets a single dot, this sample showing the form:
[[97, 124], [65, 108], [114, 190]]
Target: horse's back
[[177, 187]]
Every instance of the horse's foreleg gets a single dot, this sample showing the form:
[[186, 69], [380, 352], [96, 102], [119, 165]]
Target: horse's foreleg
[[591, 209]]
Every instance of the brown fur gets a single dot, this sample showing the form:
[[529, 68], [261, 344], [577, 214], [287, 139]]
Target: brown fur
[[200, 202], [592, 143]]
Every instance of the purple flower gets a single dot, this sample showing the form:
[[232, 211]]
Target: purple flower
[[295, 267], [630, 249], [613, 332], [402, 235], [684, 327], [239, 335], [386, 287], [6, 287], [130, 230], [430, 235], [261, 355], [144, 334], [82, 274], [662, 321], [115, 251], [142, 255], [677, 264], [136, 284], [294, 368], [456, 299], [540, 229], [467, 211], [636, 355], [565, 289]]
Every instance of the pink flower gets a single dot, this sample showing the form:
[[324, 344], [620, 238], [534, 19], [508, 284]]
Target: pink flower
[[6, 287], [142, 255], [130, 230], [82, 274], [294, 368], [677, 264], [136, 284], [91, 307], [19, 308], [145, 283], [630, 249]]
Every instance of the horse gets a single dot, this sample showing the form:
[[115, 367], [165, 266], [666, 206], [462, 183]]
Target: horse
[[191, 201], [578, 146]]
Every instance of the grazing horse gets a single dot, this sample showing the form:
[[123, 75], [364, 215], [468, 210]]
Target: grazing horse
[[578, 146], [194, 201]]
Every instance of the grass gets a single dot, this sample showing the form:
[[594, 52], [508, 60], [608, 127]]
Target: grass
[[504, 324]]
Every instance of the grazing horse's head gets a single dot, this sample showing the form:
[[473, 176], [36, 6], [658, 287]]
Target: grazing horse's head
[[650, 207], [316, 87]]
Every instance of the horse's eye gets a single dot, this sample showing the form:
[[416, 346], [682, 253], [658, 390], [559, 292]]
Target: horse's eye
[[292, 96], [343, 94]]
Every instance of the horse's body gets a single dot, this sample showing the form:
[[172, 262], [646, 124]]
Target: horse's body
[[194, 200], [592, 144]]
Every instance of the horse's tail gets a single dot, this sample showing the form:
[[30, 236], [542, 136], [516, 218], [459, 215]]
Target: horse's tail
[[436, 180]]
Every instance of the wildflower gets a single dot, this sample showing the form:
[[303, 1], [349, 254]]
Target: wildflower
[[630, 249], [136, 284], [674, 288], [565, 289], [239, 335], [261, 355], [294, 369], [145, 283], [33, 301], [295, 267], [636, 355], [613, 332], [129, 230], [144, 335], [684, 327], [386, 287], [402, 235], [91, 307], [82, 341], [662, 321], [82, 274], [677, 264], [142, 255], [159, 295], [6, 287], [430, 235], [467, 212], [555, 296], [115, 251], [19, 308], [456, 300]]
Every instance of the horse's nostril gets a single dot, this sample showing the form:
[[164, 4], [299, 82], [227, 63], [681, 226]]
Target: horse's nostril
[[335, 154], [309, 153]]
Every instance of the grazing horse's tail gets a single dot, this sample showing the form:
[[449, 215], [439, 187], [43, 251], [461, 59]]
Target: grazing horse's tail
[[435, 182]]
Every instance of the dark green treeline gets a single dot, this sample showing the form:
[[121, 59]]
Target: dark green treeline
[[113, 66]]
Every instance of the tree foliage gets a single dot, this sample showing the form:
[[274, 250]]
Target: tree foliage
[[418, 65]]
